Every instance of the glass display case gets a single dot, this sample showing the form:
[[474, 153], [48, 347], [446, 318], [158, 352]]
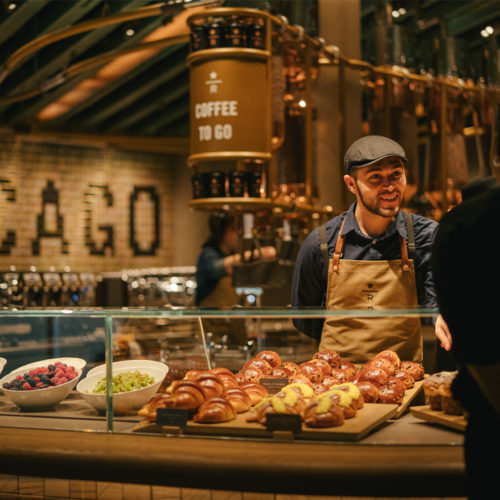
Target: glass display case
[[110, 365]]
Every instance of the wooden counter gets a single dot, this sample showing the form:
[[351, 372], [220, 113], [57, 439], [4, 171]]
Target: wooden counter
[[405, 457]]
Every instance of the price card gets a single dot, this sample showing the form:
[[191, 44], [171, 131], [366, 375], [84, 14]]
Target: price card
[[273, 384], [283, 422], [172, 417]]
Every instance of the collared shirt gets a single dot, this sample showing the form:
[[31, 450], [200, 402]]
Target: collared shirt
[[309, 283], [209, 270]]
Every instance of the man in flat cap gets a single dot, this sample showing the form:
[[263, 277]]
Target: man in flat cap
[[374, 256]]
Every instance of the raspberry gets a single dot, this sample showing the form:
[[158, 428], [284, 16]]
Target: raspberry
[[27, 386]]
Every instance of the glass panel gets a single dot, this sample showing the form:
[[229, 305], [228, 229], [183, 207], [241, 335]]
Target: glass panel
[[151, 339]]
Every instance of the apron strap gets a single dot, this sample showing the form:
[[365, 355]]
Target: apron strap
[[411, 235], [323, 245], [406, 252], [339, 248]]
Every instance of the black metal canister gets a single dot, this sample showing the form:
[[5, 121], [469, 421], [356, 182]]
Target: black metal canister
[[199, 183], [216, 34], [216, 184], [237, 183], [235, 33], [254, 180], [256, 35], [199, 38]]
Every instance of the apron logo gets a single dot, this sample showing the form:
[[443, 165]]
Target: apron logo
[[370, 297]]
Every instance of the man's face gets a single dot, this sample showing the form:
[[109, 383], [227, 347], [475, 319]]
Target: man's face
[[380, 187]]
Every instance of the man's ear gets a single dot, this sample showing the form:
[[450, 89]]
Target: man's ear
[[351, 185]]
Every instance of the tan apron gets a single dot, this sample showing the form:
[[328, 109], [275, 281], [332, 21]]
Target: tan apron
[[371, 285], [224, 295]]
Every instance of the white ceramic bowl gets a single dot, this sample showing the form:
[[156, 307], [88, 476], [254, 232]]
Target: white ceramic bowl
[[2, 364], [130, 364], [39, 399], [123, 402]]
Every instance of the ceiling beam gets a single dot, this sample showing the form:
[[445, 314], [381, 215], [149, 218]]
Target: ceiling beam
[[168, 66], [16, 19], [21, 82], [482, 14], [151, 125], [150, 106]]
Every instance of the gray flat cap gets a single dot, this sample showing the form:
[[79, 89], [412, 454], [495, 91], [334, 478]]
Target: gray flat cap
[[370, 149]]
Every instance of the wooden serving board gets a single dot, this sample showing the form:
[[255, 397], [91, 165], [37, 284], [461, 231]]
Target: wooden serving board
[[353, 429], [410, 395], [457, 422]]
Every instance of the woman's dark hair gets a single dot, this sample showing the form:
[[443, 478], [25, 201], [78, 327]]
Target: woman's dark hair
[[218, 223]]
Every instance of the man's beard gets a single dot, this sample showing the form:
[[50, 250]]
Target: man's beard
[[375, 209]]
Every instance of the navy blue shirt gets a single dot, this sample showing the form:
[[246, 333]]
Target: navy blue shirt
[[309, 281], [209, 270]]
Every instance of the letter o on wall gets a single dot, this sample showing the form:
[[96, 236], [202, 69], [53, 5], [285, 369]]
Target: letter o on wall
[[137, 248]]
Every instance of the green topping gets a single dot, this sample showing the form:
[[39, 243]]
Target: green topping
[[125, 382]]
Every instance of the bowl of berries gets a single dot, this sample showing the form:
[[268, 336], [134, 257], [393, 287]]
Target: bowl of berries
[[43, 384]]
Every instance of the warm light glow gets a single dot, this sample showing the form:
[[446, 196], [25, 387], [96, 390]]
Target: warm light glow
[[116, 68]]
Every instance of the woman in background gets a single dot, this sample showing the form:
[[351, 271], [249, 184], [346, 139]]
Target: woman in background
[[213, 276]]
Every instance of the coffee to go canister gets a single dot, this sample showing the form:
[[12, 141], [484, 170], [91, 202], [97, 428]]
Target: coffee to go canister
[[216, 184], [237, 181]]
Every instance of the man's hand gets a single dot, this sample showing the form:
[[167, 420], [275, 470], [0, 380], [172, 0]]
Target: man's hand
[[443, 333]]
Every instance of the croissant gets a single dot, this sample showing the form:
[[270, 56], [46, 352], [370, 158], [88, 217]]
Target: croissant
[[211, 384], [221, 371], [271, 404], [185, 394], [239, 399], [229, 382], [323, 412], [304, 390], [292, 398], [416, 370], [215, 410], [149, 409], [354, 393], [256, 392], [261, 364], [391, 356], [226, 376], [331, 357], [273, 358], [343, 399], [193, 374], [299, 378]]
